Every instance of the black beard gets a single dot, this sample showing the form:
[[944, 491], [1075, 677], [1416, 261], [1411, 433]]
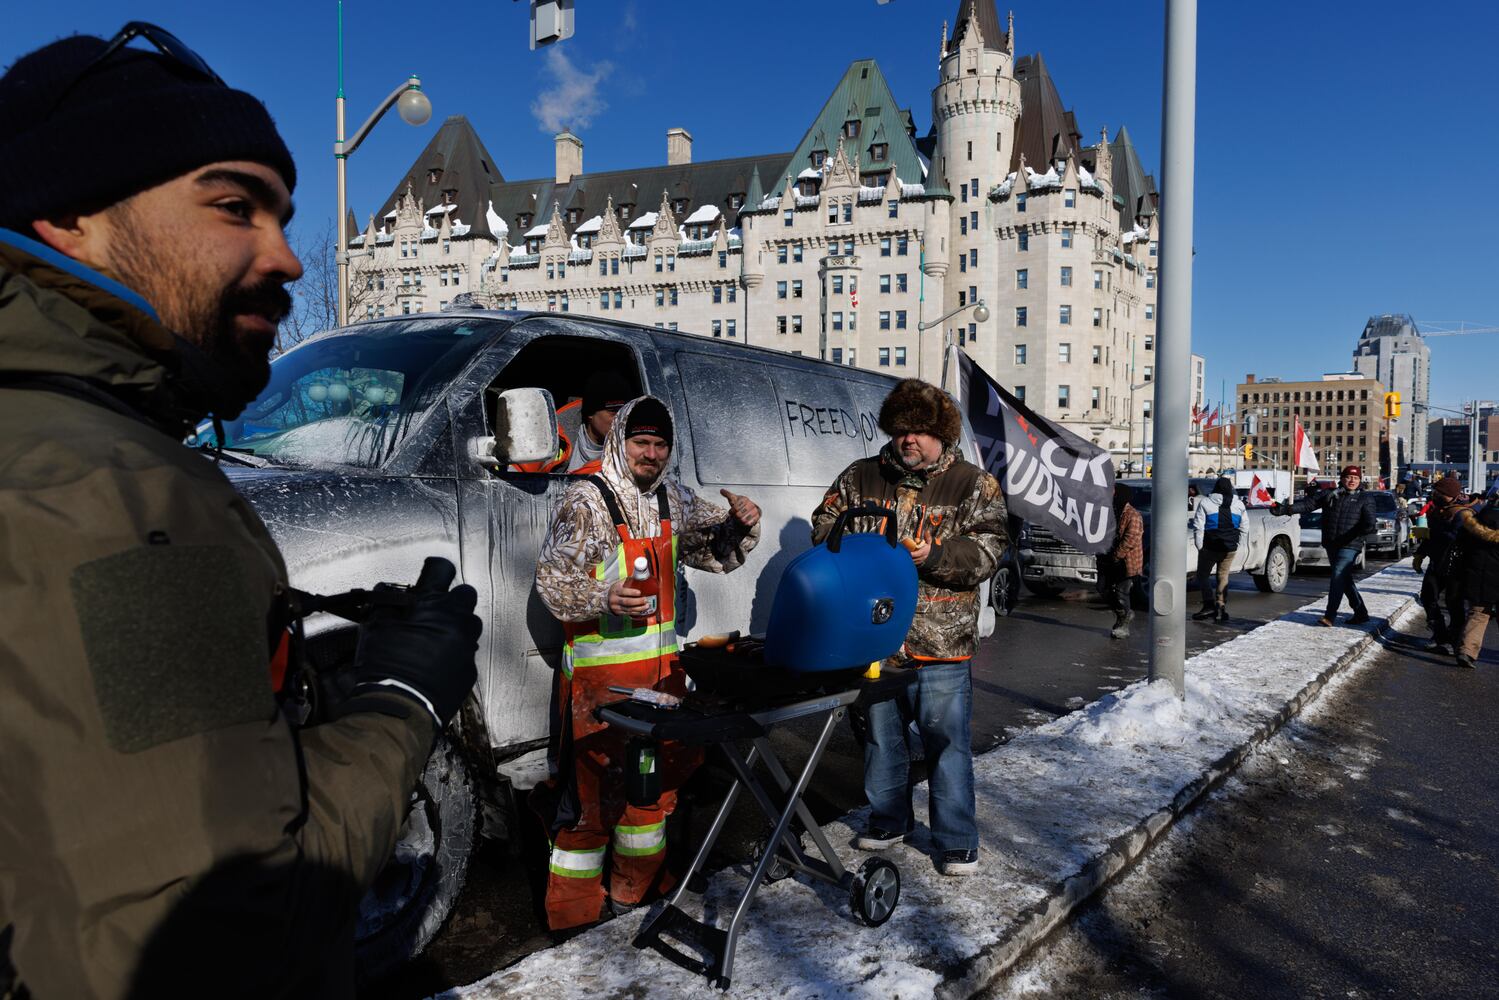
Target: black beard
[[243, 370]]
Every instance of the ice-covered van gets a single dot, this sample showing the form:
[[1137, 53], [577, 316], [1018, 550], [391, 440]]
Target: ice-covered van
[[373, 447]]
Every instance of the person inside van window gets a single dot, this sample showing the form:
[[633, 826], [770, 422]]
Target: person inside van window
[[582, 426], [607, 570]]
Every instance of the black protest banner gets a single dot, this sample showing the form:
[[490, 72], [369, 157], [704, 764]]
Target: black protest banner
[[1049, 475]]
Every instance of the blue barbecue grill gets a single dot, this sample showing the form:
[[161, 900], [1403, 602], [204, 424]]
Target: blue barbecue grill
[[838, 608]]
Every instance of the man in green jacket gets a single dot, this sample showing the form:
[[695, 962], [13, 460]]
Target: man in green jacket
[[164, 830]]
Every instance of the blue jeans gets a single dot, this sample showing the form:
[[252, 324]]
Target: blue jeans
[[1343, 561], [941, 703]]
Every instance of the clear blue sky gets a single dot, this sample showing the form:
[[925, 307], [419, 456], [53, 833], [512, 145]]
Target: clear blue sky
[[1347, 153]]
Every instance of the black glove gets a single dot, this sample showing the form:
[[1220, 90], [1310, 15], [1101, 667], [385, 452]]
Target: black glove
[[425, 648], [1275, 509]]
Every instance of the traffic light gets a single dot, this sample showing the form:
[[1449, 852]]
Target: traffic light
[[1391, 405], [1248, 452]]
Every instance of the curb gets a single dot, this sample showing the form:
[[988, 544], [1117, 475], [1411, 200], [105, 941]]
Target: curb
[[1039, 920]]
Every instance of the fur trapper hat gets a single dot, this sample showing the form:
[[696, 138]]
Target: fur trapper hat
[[914, 406]]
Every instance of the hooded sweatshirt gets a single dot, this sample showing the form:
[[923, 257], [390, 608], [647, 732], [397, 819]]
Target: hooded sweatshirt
[[1218, 521], [582, 533], [161, 817]]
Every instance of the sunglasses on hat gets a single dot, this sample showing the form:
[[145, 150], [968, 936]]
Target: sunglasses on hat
[[166, 43]]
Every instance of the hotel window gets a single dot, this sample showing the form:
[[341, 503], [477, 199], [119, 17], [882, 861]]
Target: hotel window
[[786, 217], [884, 246], [718, 328], [1069, 197], [837, 357], [837, 284], [1149, 279], [1066, 236], [900, 357], [780, 324], [902, 244], [796, 324], [1150, 341], [1097, 279], [731, 329], [900, 282], [723, 258], [973, 257], [717, 294], [848, 211], [660, 296], [963, 226], [603, 266], [673, 296], [884, 321], [796, 289], [1149, 372], [1098, 355], [1020, 202], [1064, 397], [671, 262], [884, 283], [837, 321], [1020, 315], [879, 151], [781, 254], [832, 212], [1020, 354], [1150, 310], [1020, 392], [1065, 315], [1097, 399], [1153, 247], [619, 300], [1066, 277], [1098, 316], [660, 263], [780, 289], [1064, 352], [893, 209], [1023, 241], [796, 254], [733, 292], [884, 357], [603, 300], [900, 319]]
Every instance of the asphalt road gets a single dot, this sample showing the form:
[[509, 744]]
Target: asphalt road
[[1049, 657], [1354, 856]]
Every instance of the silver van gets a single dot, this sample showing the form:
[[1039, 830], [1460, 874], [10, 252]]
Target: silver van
[[373, 447]]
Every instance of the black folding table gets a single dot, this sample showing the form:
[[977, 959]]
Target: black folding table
[[873, 890]]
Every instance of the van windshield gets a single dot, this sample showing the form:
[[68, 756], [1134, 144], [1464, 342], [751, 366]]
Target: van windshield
[[350, 398]]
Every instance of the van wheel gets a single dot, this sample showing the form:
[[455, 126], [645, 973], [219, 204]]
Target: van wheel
[[1041, 589], [1277, 568], [415, 891], [1004, 589]]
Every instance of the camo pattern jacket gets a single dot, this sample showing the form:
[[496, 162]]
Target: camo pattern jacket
[[961, 508]]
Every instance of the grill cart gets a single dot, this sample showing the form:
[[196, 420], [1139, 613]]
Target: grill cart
[[838, 608]]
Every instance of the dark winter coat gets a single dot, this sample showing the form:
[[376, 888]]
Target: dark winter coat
[[1441, 536], [1479, 541], [1347, 517], [161, 820], [960, 506]]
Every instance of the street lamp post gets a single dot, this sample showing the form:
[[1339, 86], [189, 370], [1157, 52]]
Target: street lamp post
[[1129, 449], [414, 108], [980, 315]]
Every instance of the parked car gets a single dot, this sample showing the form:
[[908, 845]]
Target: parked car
[[1393, 521], [1270, 552], [1312, 552], [374, 446]]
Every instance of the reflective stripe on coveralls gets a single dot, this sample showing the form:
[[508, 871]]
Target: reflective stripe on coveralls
[[640, 841], [616, 639], [578, 864]]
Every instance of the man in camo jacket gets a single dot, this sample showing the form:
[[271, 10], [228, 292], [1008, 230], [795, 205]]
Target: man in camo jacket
[[616, 635], [956, 514]]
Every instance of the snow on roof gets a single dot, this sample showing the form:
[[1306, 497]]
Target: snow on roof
[[592, 225], [428, 233], [646, 221], [535, 231], [391, 214], [807, 200], [810, 174], [442, 209], [460, 228], [1034, 181], [496, 224], [706, 213], [1135, 235], [1003, 188], [867, 193], [912, 190], [1085, 177]]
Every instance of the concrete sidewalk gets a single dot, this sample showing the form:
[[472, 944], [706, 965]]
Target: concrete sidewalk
[[1062, 809]]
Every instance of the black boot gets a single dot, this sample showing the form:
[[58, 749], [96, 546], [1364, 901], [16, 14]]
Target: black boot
[[1121, 624], [1208, 611], [1223, 612]]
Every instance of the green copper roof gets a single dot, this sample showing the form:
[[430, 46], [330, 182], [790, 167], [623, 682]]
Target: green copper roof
[[862, 95]]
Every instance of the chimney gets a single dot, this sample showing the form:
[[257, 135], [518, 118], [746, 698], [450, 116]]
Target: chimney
[[1249, 379], [678, 147], [569, 156]]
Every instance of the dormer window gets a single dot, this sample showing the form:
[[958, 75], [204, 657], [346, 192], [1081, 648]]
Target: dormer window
[[523, 221], [586, 240], [819, 157], [679, 205], [879, 151], [533, 245], [433, 175], [736, 202], [624, 212], [809, 188], [574, 215], [851, 128], [450, 196]]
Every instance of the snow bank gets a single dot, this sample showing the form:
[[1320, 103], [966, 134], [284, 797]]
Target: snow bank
[[1051, 802]]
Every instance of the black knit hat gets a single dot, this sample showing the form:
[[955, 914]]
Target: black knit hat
[[649, 416], [133, 121], [605, 391]]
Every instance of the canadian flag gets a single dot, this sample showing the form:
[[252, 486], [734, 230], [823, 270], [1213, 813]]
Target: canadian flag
[[1259, 496], [1305, 457], [1211, 420], [1196, 414]]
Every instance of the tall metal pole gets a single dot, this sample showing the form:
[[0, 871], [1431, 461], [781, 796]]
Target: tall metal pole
[[1476, 465], [341, 158], [1129, 448], [1168, 546]]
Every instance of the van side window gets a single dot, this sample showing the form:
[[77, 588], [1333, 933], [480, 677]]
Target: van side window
[[731, 412], [562, 365]]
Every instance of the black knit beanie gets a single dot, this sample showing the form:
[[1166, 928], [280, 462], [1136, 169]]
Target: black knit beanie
[[131, 122], [649, 416]]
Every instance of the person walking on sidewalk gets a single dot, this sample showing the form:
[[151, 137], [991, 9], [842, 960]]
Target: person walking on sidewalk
[[1347, 520], [1479, 572], [1217, 529], [956, 512], [1440, 597], [1123, 564]]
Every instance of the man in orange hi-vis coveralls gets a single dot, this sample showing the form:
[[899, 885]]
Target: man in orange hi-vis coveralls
[[604, 522]]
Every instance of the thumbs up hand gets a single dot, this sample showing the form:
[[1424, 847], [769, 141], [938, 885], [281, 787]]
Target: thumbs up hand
[[742, 508]]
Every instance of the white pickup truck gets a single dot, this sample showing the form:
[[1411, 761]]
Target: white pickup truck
[[1270, 551]]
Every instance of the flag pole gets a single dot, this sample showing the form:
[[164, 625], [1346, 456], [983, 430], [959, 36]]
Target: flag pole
[[1168, 549]]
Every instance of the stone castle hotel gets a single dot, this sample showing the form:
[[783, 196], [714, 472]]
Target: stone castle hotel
[[837, 249]]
